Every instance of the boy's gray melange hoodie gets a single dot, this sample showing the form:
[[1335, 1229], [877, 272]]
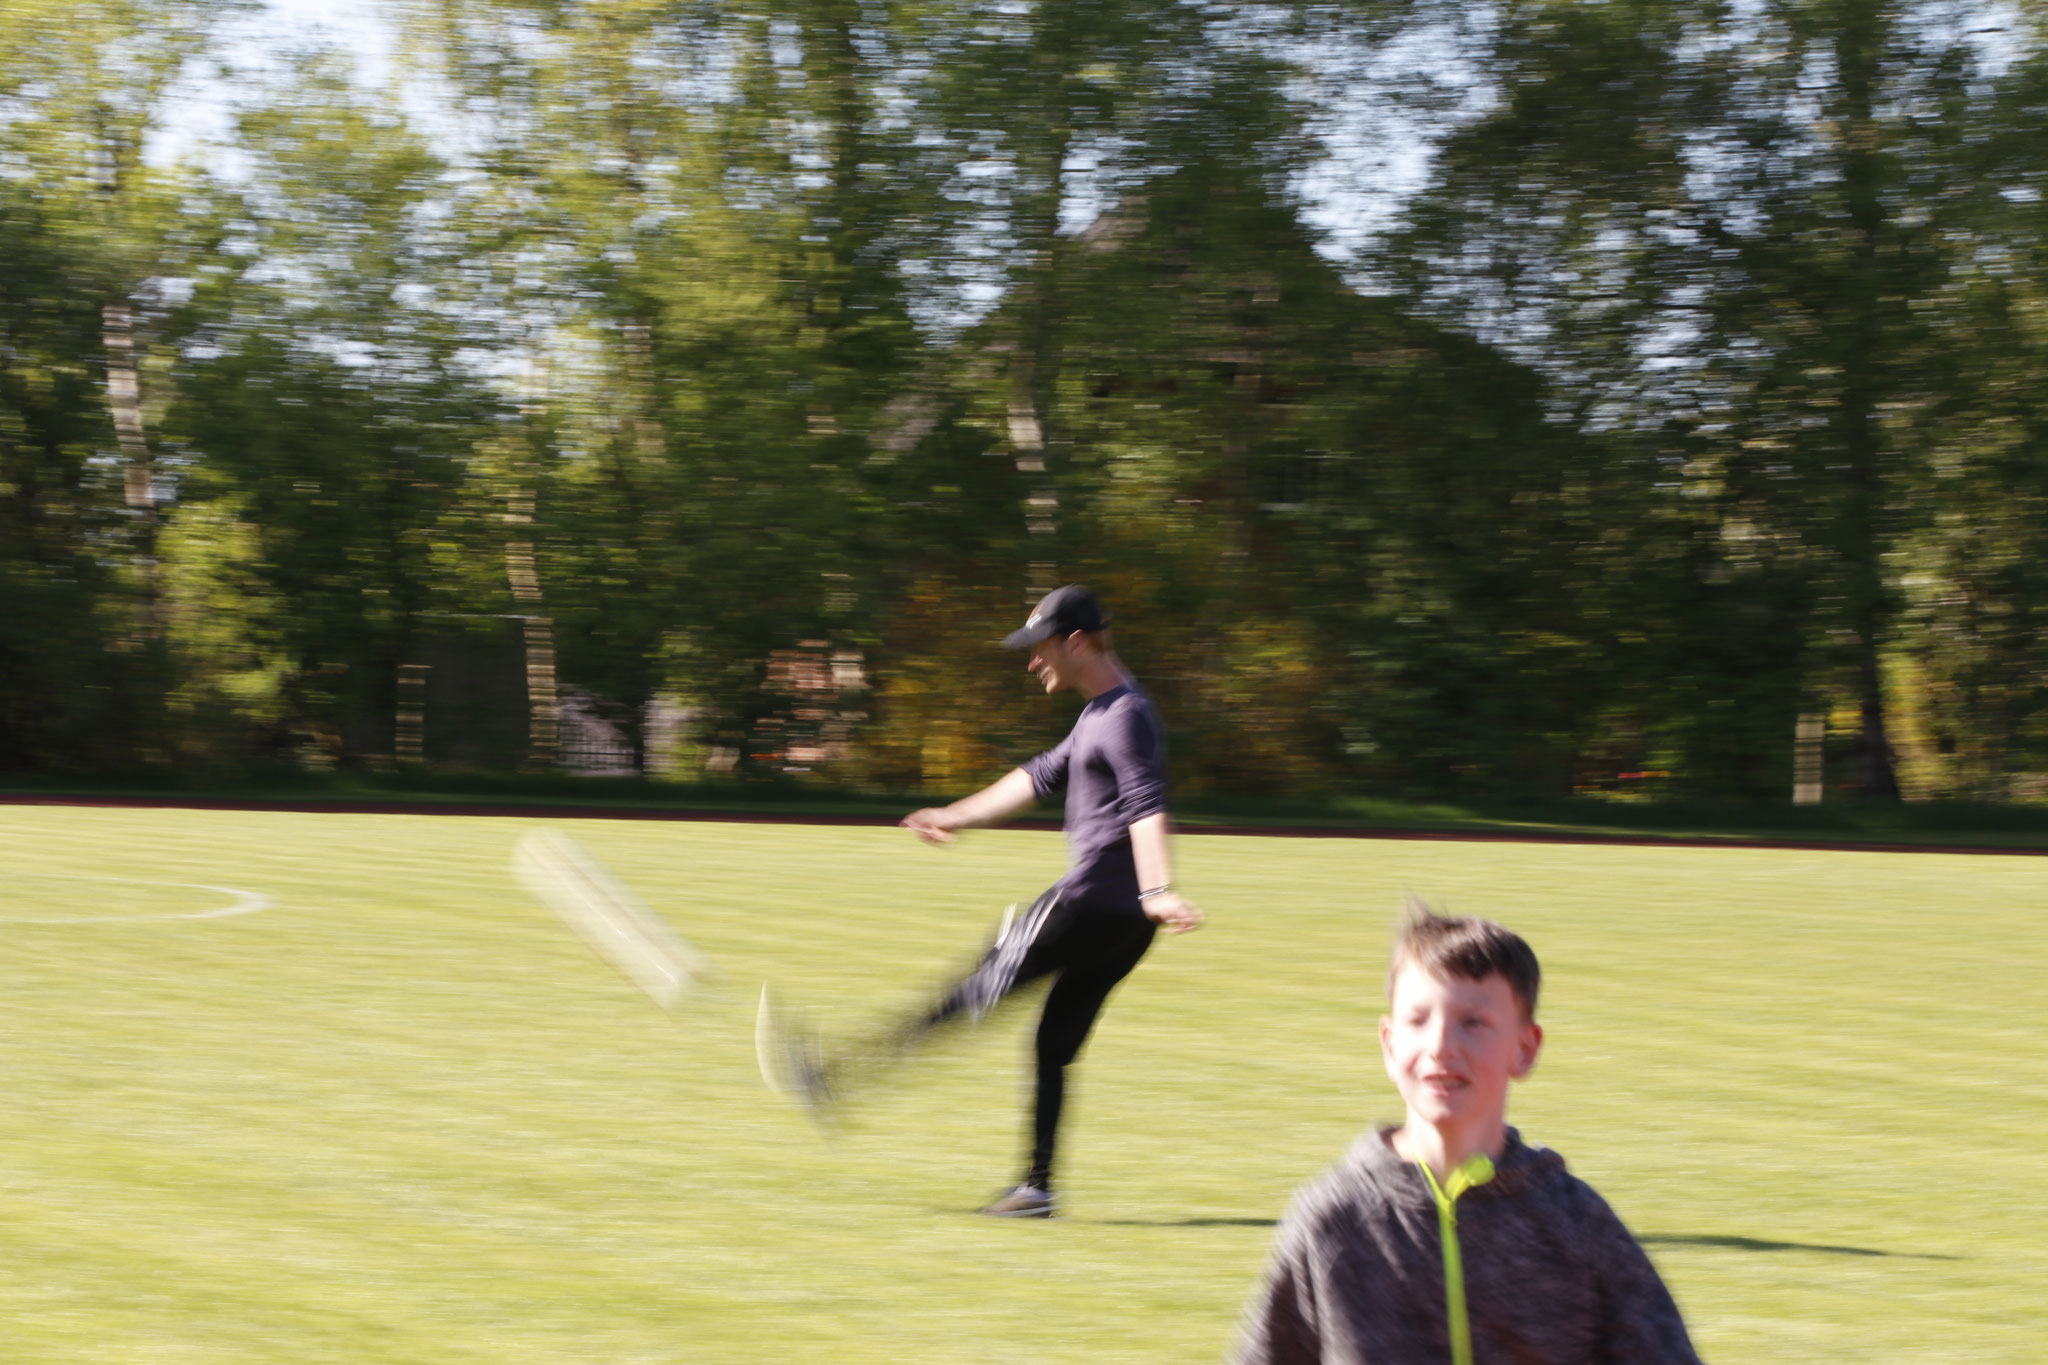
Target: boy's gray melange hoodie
[[1551, 1275]]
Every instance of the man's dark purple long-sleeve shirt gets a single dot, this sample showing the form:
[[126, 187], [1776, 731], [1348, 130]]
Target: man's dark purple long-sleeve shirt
[[1113, 767]]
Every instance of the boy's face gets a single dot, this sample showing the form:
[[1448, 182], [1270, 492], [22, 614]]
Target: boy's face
[[1452, 1046]]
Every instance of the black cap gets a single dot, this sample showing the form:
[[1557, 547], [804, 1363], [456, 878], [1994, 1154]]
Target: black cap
[[1060, 612]]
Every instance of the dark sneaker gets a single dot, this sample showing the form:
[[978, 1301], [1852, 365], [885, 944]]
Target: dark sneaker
[[791, 1057], [1026, 1201]]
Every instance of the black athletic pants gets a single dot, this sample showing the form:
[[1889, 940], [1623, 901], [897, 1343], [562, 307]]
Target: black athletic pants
[[1087, 950]]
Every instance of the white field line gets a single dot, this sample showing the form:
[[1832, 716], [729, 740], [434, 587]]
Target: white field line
[[241, 903]]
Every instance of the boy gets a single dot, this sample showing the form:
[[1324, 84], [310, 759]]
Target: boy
[[1448, 1238]]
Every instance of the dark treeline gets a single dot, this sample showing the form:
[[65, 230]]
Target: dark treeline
[[678, 387]]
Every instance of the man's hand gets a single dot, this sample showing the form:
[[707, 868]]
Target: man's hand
[[993, 804], [1173, 912], [934, 824], [1165, 907]]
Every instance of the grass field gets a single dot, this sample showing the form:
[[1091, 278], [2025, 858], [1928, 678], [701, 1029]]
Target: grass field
[[402, 1115]]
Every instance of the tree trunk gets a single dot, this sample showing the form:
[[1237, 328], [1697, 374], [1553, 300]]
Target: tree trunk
[[1859, 47], [543, 701], [124, 401], [1036, 357]]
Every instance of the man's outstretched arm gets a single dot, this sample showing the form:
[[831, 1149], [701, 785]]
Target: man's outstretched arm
[[1008, 795], [1164, 907]]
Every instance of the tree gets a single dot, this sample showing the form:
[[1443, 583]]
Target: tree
[[1719, 232], [1974, 664], [60, 705], [328, 425], [97, 230]]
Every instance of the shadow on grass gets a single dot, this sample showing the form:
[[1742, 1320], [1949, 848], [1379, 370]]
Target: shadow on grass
[[1182, 1222], [1759, 1244], [1728, 1243]]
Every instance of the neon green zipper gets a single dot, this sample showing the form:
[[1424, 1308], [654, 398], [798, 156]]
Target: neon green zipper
[[1476, 1171]]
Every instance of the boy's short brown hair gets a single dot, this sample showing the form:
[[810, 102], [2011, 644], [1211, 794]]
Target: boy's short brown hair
[[1469, 947]]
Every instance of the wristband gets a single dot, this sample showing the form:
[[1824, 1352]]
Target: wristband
[[1155, 891]]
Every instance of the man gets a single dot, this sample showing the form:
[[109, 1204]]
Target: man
[[1094, 924]]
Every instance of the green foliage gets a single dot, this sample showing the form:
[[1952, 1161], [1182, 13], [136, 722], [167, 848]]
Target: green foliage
[[330, 437], [756, 366], [1741, 237], [64, 653]]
